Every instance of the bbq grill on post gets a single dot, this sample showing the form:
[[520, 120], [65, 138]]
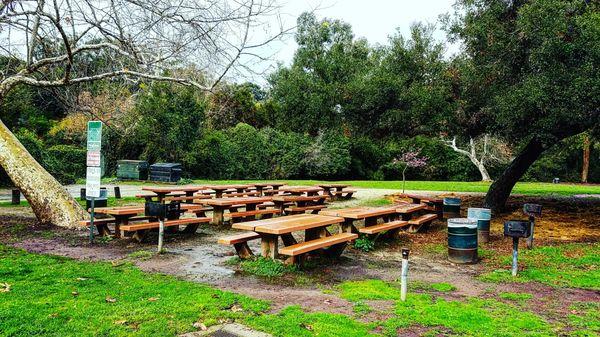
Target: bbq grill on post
[[516, 229], [533, 211]]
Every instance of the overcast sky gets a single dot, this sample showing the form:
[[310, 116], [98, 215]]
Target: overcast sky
[[374, 20]]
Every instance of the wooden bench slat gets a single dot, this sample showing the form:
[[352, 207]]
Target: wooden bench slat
[[255, 212], [240, 194], [239, 238], [328, 241], [422, 219], [383, 227], [168, 223]]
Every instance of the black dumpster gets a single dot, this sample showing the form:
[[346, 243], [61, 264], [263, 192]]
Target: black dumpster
[[165, 172], [132, 169]]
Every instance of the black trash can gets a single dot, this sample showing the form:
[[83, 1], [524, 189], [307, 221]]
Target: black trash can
[[166, 172]]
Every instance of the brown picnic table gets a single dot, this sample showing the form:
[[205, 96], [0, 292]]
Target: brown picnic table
[[370, 215], [316, 235], [219, 189], [335, 190], [299, 203], [219, 206], [162, 191], [260, 187], [300, 190], [124, 215]]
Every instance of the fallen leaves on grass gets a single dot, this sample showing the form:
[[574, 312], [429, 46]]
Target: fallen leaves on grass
[[200, 326], [4, 287], [110, 299]]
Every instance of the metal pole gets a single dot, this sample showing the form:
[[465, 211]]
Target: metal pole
[[161, 233], [92, 221], [530, 238], [117, 192], [515, 264], [404, 277]]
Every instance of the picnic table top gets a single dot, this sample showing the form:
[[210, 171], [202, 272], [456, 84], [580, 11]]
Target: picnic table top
[[227, 187], [333, 185], [409, 208], [359, 212], [235, 201], [300, 189], [266, 184], [170, 189], [288, 224]]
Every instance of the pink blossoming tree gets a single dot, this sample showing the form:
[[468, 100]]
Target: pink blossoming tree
[[410, 159]]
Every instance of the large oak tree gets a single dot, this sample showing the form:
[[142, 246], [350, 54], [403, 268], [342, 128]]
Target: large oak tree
[[530, 73]]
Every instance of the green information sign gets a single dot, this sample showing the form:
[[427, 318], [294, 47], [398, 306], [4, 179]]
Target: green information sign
[[94, 136]]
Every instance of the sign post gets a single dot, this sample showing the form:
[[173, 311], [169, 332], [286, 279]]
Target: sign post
[[94, 172]]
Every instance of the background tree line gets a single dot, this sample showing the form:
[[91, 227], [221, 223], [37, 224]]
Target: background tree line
[[343, 109]]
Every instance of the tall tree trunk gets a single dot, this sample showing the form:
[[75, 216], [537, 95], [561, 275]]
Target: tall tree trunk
[[50, 201], [500, 190], [586, 158]]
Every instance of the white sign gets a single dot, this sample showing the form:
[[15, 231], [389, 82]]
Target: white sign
[[92, 182], [93, 158]]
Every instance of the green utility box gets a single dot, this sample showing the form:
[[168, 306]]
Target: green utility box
[[132, 170]]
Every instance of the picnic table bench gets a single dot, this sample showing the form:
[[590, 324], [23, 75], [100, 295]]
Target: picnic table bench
[[220, 205], [410, 213], [370, 216], [434, 204], [316, 236]]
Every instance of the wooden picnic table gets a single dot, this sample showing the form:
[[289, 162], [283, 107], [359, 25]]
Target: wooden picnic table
[[300, 190], [314, 226], [162, 191], [300, 203], [335, 190], [219, 189], [406, 210], [219, 205], [369, 214], [261, 186], [123, 215]]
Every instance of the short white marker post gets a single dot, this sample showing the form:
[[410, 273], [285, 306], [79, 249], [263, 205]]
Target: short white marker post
[[404, 277]]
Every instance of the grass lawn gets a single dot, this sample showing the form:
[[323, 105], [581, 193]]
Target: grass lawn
[[575, 265], [526, 188], [54, 296]]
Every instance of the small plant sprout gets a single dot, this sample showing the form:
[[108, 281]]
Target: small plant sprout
[[410, 159]]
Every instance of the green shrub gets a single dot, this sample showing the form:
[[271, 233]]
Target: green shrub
[[65, 162], [364, 243]]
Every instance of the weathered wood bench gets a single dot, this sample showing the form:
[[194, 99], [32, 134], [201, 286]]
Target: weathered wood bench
[[417, 223], [140, 228], [186, 198], [314, 209], [240, 243], [336, 244], [393, 225], [246, 214]]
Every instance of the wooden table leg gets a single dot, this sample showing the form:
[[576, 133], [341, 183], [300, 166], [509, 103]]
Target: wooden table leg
[[120, 220], [370, 221], [218, 215], [250, 207], [348, 226], [288, 239], [269, 246], [218, 194], [103, 230]]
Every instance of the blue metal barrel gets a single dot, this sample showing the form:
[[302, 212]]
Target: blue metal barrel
[[451, 208], [483, 217], [462, 240]]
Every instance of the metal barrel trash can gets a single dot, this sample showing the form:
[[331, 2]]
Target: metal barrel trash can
[[451, 208], [462, 240], [483, 217], [101, 201]]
